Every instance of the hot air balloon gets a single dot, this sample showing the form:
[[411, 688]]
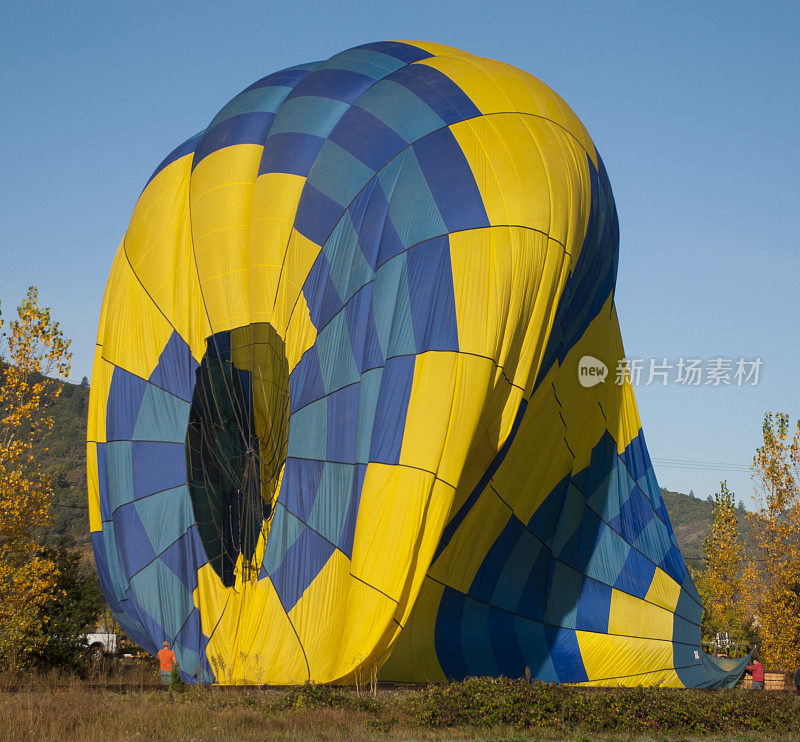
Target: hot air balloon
[[338, 417]]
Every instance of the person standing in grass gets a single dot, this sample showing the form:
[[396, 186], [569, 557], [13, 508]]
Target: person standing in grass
[[168, 662], [758, 674]]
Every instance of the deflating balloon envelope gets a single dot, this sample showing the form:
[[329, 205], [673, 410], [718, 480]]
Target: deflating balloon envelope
[[336, 416]]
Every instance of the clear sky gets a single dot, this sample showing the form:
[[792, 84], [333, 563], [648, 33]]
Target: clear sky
[[693, 106]]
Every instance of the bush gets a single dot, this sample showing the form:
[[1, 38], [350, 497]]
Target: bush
[[312, 695], [487, 702]]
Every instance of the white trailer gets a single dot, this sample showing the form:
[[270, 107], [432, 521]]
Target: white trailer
[[101, 645]]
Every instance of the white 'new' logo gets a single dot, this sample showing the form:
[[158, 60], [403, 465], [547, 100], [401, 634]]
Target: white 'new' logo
[[591, 371]]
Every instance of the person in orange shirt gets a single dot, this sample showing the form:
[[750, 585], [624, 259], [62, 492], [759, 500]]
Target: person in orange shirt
[[168, 661]]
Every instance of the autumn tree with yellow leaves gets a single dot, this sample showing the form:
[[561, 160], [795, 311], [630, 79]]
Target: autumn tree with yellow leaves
[[774, 580], [720, 585], [32, 348]]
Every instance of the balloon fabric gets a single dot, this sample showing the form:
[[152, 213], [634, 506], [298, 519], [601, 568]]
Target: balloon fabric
[[338, 422]]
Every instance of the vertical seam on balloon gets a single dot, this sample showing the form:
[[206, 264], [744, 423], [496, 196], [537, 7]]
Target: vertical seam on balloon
[[563, 424], [410, 576], [144, 288], [291, 623], [488, 160], [283, 607], [214, 628], [183, 625]]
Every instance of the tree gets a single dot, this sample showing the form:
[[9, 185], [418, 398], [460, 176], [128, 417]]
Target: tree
[[70, 614], [720, 586], [32, 348], [775, 527]]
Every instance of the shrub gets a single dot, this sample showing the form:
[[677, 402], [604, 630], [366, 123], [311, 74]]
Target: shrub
[[312, 695], [486, 702]]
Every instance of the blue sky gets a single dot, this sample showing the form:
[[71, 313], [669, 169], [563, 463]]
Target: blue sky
[[693, 106]]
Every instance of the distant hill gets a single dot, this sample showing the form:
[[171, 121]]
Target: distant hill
[[66, 462], [690, 519]]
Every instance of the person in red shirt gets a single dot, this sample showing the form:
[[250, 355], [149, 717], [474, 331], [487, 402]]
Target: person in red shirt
[[167, 661], [758, 674]]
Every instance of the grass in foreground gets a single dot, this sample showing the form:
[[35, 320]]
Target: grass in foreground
[[470, 710]]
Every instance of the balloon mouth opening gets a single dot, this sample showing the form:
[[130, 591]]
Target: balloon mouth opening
[[236, 445]]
